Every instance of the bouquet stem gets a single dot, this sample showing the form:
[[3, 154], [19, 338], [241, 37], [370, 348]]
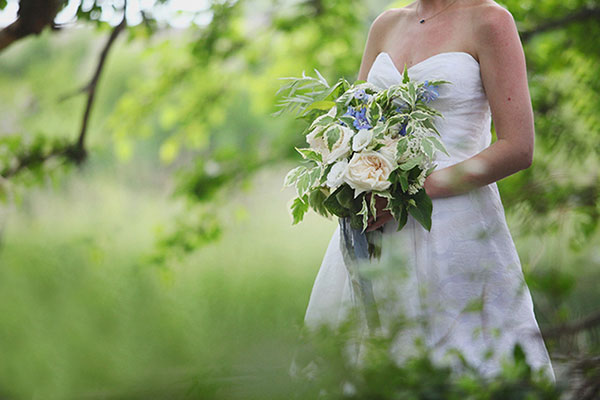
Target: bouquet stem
[[357, 248]]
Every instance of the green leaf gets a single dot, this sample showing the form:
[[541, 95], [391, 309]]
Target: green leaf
[[316, 200], [309, 154], [307, 180], [403, 182], [299, 208], [427, 148], [418, 115], [405, 78], [332, 135], [319, 105], [345, 196], [333, 206], [438, 144], [422, 211], [292, 177], [402, 218], [372, 205], [402, 146], [413, 162], [364, 211]]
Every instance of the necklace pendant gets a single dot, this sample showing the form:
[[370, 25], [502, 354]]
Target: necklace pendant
[[421, 21]]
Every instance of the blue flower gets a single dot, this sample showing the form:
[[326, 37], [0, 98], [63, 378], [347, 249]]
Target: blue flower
[[360, 94], [350, 112], [402, 131], [361, 121], [429, 92]]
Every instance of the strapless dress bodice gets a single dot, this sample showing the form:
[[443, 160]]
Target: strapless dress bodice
[[465, 127]]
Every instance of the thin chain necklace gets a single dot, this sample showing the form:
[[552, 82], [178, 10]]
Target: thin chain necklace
[[422, 20]]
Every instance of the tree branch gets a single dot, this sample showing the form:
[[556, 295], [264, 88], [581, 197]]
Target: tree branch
[[588, 322], [91, 89], [33, 17], [586, 13]]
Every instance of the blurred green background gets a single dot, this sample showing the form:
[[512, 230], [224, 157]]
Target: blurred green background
[[163, 263]]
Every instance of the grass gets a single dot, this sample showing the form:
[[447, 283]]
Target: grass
[[82, 317]]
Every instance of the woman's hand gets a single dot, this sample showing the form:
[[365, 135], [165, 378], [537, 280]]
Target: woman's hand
[[383, 216]]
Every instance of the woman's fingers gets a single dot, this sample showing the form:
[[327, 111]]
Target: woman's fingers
[[382, 218]]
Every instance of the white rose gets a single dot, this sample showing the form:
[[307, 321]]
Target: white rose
[[367, 171], [340, 148], [335, 177], [362, 139], [390, 148]]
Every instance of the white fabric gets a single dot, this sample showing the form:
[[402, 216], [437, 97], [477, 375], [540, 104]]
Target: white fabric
[[469, 253]]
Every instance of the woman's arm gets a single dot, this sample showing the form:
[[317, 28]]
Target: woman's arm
[[504, 76]]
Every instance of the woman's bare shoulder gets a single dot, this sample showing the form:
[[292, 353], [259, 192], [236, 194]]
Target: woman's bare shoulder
[[391, 17], [488, 16]]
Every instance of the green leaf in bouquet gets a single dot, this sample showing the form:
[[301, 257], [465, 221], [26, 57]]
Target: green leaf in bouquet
[[332, 135], [427, 148], [423, 209], [402, 218], [307, 180], [438, 144], [430, 170], [299, 208], [333, 205], [438, 82], [364, 212], [348, 120], [428, 123], [396, 119], [402, 146], [405, 78], [309, 154], [432, 112], [374, 113], [413, 162], [372, 206], [377, 146], [325, 173], [345, 196], [403, 179], [419, 116], [322, 120], [412, 92], [344, 100], [292, 177], [405, 97], [318, 105], [379, 131], [316, 200]]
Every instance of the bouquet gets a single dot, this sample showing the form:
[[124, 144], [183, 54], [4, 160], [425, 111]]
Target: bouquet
[[364, 141]]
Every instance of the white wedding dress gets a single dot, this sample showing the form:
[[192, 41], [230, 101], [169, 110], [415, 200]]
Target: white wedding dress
[[463, 277]]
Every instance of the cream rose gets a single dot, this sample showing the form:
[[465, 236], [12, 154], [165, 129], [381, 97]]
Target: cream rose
[[368, 170], [340, 148]]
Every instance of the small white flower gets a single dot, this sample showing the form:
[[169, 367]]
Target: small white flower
[[390, 148], [362, 139], [335, 177]]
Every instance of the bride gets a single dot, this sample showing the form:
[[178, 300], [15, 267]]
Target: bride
[[464, 276]]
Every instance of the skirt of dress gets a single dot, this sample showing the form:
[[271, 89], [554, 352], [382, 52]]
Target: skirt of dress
[[463, 280]]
